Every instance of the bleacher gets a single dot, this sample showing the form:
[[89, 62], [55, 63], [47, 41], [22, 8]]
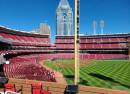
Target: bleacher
[[95, 46], [21, 42], [27, 68], [24, 40], [23, 54], [63, 42], [90, 56]]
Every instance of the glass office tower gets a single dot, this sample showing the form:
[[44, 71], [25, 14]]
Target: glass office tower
[[64, 19]]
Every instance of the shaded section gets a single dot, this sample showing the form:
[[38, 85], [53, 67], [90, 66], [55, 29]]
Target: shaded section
[[82, 81], [107, 79], [102, 77], [69, 76]]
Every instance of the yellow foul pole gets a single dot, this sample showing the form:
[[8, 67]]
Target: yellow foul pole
[[129, 48], [76, 25]]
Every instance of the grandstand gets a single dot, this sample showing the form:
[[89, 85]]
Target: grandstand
[[20, 54], [96, 46], [23, 51]]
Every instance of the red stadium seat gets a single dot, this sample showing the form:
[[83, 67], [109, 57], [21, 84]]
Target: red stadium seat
[[45, 92], [36, 88], [9, 87]]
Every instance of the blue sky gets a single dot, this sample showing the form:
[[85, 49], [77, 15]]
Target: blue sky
[[28, 14]]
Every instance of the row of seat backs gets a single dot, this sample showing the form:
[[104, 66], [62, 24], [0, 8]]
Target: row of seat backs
[[36, 88]]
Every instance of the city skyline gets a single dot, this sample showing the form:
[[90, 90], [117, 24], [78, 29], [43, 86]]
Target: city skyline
[[115, 14]]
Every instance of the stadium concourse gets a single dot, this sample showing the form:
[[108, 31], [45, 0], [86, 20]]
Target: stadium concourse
[[20, 54]]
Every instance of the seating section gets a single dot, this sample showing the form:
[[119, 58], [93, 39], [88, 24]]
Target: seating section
[[103, 40], [27, 68], [93, 46], [26, 40], [23, 42], [27, 43], [92, 40], [6, 52], [103, 56], [90, 56], [103, 46], [63, 56], [93, 43], [41, 57]]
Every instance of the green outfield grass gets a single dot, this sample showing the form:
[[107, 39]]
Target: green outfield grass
[[114, 74]]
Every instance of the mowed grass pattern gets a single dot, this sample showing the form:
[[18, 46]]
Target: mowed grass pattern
[[114, 74]]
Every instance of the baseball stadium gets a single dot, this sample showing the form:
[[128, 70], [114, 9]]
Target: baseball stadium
[[74, 64]]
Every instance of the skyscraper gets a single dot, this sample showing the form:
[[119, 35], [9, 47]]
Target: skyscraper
[[64, 18], [44, 29]]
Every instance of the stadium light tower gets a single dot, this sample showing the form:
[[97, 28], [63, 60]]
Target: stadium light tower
[[102, 23], [94, 27]]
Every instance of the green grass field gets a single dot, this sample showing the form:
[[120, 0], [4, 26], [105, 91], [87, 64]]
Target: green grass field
[[114, 74]]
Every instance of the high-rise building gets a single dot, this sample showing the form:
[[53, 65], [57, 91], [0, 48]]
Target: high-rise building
[[44, 29], [64, 18]]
